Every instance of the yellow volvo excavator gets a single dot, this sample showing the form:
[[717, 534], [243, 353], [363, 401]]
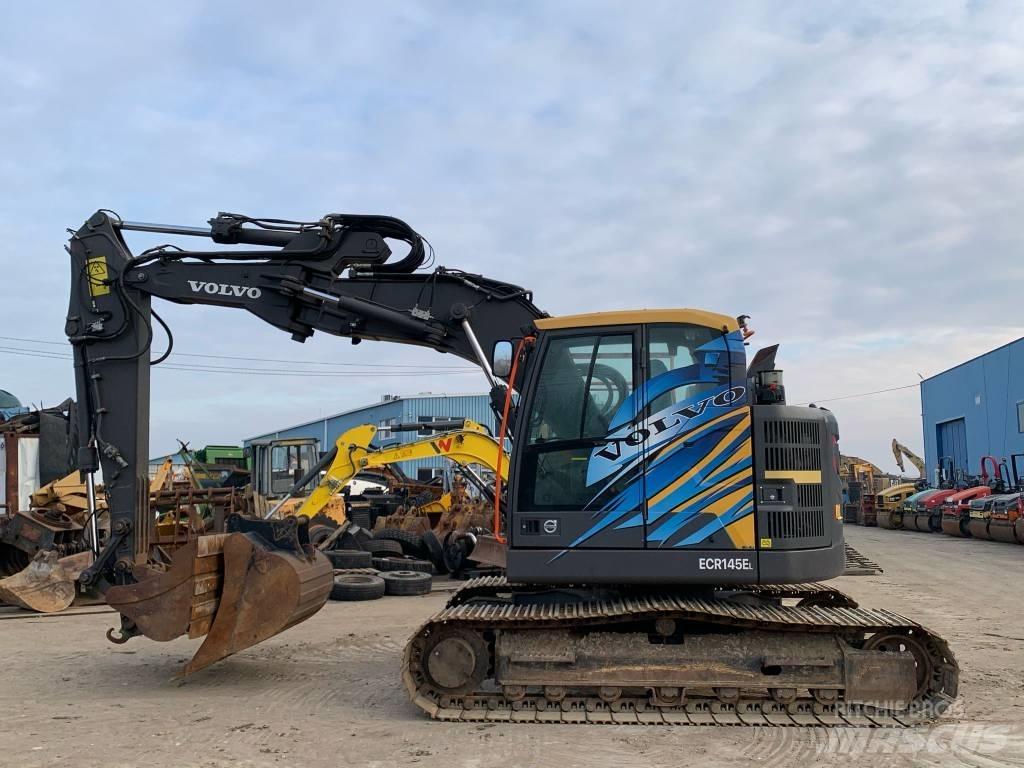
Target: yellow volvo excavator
[[665, 512]]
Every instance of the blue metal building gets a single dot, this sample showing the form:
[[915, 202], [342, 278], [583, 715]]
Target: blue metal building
[[395, 409], [975, 409]]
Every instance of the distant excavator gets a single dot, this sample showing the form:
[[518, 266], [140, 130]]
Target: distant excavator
[[900, 451], [854, 466]]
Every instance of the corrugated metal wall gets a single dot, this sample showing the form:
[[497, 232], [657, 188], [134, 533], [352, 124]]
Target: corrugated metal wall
[[441, 408], [403, 410], [987, 393]]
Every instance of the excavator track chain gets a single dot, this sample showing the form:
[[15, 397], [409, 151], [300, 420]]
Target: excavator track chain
[[858, 564], [488, 657]]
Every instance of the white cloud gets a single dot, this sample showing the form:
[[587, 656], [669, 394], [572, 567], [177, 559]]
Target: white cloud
[[848, 174]]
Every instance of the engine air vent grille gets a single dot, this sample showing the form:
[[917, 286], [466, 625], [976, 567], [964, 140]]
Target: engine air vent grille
[[808, 495], [791, 458], [792, 432], [795, 523]]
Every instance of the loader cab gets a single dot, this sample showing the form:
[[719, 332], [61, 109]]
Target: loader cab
[[892, 498], [277, 464], [640, 457]]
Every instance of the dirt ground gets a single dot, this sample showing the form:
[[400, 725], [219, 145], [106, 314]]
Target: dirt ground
[[327, 693]]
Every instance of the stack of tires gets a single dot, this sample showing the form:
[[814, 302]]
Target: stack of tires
[[387, 562]]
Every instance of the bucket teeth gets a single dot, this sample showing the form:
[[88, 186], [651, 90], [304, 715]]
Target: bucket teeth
[[234, 588], [264, 592]]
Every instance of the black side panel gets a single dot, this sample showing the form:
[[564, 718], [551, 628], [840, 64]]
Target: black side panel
[[799, 496], [799, 566], [632, 566]]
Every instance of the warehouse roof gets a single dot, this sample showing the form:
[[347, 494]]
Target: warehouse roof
[[973, 359], [383, 401]]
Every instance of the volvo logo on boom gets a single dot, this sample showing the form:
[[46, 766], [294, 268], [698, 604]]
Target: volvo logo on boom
[[224, 289]]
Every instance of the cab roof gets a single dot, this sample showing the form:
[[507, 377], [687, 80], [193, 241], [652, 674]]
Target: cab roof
[[637, 316], [7, 400], [895, 490]]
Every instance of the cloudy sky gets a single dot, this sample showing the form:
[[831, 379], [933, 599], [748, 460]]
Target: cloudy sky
[[848, 174]]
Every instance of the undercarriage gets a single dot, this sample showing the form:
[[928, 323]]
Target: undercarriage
[[789, 655]]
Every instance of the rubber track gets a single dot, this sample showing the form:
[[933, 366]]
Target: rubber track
[[859, 565], [841, 618]]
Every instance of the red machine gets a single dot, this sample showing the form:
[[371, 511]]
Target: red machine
[[1007, 512], [956, 511], [925, 514]]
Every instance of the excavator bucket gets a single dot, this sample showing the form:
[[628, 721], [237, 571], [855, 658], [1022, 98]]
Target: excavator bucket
[[235, 589], [489, 550], [47, 584]]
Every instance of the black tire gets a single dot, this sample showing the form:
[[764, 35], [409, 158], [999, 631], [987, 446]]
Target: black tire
[[412, 544], [406, 583], [434, 551], [349, 558], [358, 586], [404, 564], [360, 517], [383, 547], [456, 553], [378, 563]]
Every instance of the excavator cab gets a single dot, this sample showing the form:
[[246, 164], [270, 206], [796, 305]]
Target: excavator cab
[[643, 453]]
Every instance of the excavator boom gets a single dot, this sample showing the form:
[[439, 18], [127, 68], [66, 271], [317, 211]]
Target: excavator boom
[[899, 451], [337, 275]]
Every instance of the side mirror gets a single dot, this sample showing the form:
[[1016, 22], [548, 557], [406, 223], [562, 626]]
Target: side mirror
[[501, 359]]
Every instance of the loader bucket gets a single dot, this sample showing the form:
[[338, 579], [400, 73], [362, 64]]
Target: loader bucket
[[236, 589], [45, 585]]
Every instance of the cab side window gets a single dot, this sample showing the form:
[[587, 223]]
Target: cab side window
[[582, 382], [675, 346]]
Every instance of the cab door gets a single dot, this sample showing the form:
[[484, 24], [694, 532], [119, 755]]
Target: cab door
[[563, 498], [697, 428]]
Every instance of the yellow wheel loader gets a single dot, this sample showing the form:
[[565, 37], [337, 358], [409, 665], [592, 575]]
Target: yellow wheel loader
[[465, 444]]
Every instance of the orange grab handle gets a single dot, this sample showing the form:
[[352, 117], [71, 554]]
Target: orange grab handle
[[502, 431]]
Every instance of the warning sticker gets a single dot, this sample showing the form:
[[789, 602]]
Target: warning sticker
[[96, 269]]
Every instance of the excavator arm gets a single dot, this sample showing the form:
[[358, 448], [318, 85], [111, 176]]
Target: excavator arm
[[471, 444], [336, 275], [899, 451]]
